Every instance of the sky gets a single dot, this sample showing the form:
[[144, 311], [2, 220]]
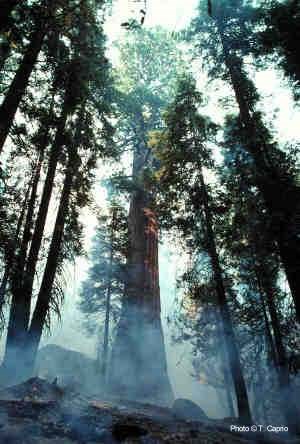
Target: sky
[[173, 15]]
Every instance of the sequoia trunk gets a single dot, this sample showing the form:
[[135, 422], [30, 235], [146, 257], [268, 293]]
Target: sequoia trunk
[[138, 367]]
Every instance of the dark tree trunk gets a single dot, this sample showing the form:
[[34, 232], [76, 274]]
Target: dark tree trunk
[[12, 254], [6, 8], [275, 322], [21, 301], [104, 359], [226, 369], [31, 207], [44, 206], [226, 322], [18, 275], [270, 342], [289, 406], [3, 286], [19, 84], [269, 337], [44, 296], [289, 248], [280, 194]]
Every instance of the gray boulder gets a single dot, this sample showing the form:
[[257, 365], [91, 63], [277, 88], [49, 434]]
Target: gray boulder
[[72, 369], [186, 409]]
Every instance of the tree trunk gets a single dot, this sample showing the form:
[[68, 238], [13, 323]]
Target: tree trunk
[[225, 368], [229, 399], [280, 194], [269, 337], [44, 205], [12, 254], [19, 84], [18, 275], [107, 308], [6, 7], [31, 207], [259, 404], [44, 296], [289, 248], [3, 286], [229, 336], [271, 346], [289, 406], [21, 301], [138, 366]]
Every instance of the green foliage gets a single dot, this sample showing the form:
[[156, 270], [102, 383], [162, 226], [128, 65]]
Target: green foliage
[[182, 150], [74, 72], [150, 62], [250, 235], [110, 239], [235, 19], [281, 21]]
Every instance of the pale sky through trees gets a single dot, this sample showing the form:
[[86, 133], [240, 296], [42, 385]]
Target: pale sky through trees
[[149, 205], [173, 15], [176, 15], [170, 14]]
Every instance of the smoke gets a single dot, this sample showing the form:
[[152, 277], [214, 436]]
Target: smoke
[[74, 346], [73, 359], [180, 356], [70, 368], [79, 371]]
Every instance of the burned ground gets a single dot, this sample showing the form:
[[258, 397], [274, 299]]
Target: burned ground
[[39, 412]]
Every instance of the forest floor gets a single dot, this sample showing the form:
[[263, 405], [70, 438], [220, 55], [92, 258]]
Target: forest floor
[[38, 412]]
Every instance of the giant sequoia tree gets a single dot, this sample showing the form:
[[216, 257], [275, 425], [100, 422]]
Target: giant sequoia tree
[[231, 192], [148, 71]]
